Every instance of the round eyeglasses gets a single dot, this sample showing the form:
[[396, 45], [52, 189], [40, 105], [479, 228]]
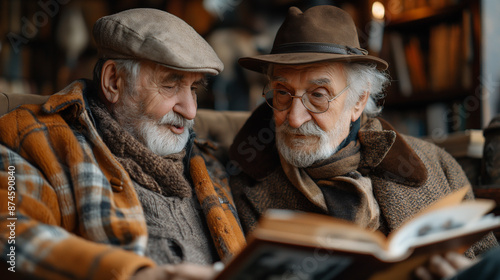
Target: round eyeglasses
[[315, 102]]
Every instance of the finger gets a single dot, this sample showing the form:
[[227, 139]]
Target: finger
[[439, 266], [458, 261], [422, 273]]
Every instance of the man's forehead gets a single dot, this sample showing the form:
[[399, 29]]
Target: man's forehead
[[171, 75], [316, 81], [317, 73], [311, 67]]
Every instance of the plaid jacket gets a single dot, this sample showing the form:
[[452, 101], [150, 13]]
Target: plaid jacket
[[62, 188]]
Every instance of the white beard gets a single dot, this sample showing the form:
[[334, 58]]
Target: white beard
[[153, 133], [163, 141], [318, 144]]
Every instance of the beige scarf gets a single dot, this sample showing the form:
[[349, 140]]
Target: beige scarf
[[164, 175], [335, 186]]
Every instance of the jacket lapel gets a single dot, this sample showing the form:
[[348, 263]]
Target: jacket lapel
[[386, 154]]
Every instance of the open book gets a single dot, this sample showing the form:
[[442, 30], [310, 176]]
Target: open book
[[296, 245]]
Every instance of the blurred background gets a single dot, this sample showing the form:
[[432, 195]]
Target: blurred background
[[443, 54]]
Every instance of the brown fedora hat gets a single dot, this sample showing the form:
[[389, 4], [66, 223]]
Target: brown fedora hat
[[321, 33]]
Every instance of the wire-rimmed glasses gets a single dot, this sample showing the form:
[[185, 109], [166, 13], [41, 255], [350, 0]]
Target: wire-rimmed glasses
[[315, 102]]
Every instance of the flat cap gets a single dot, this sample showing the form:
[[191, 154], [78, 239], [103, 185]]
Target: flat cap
[[157, 36]]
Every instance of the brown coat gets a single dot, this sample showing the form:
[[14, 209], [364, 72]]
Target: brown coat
[[407, 174]]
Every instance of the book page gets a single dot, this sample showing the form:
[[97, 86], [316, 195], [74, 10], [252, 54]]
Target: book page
[[318, 230], [442, 224], [397, 239]]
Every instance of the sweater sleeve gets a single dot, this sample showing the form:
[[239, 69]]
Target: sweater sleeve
[[34, 241]]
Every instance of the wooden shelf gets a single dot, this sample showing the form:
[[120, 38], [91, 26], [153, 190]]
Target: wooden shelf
[[488, 192], [434, 47], [415, 18], [393, 99]]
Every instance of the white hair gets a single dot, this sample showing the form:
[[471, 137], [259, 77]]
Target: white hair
[[129, 67], [366, 78], [162, 141], [131, 116], [361, 78], [319, 144]]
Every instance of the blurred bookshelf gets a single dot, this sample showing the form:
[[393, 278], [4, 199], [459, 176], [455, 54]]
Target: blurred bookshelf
[[433, 48], [47, 44], [434, 51]]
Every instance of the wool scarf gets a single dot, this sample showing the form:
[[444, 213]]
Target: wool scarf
[[337, 187], [163, 175]]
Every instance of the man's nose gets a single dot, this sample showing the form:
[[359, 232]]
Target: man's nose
[[186, 104], [297, 113]]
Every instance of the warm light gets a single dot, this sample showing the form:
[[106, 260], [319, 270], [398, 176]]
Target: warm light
[[378, 10]]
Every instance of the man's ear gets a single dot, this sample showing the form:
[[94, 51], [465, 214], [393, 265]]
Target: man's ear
[[111, 81], [358, 108]]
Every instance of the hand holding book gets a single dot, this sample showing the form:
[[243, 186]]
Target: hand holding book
[[292, 244]]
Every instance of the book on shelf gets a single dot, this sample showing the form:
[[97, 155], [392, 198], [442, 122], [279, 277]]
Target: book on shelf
[[400, 64], [297, 245], [449, 57], [416, 65], [439, 59], [467, 143], [467, 50]]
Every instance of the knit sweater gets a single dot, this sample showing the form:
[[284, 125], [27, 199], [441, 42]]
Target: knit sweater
[[177, 230], [77, 213]]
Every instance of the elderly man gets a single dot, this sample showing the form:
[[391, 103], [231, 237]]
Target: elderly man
[[316, 145], [105, 180]]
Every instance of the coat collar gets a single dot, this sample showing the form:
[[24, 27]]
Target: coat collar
[[71, 99], [253, 150], [384, 152]]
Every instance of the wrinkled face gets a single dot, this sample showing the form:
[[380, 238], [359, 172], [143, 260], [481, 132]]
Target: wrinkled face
[[160, 107], [303, 137]]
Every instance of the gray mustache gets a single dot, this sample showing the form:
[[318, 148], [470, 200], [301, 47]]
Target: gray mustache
[[308, 129], [175, 119]]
